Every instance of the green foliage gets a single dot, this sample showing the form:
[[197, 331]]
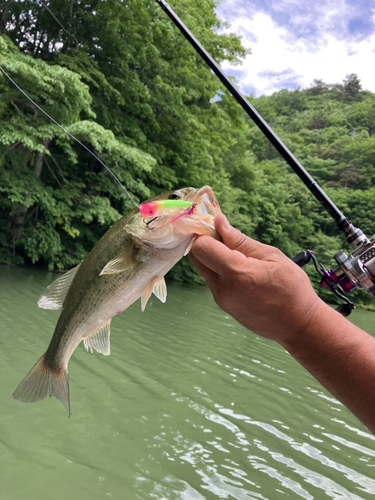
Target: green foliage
[[330, 128], [50, 185], [121, 78]]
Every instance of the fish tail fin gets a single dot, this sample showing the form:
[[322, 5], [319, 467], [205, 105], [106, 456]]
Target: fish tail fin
[[43, 381]]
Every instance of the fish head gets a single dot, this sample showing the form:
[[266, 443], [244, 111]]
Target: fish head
[[173, 226]]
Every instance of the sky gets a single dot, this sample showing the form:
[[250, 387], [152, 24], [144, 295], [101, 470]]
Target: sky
[[293, 42]]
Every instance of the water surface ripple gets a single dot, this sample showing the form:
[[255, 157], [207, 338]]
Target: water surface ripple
[[188, 406]]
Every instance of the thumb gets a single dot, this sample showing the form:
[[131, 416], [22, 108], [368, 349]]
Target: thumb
[[235, 240]]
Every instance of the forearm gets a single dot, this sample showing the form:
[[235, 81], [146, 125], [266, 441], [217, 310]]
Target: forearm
[[342, 358]]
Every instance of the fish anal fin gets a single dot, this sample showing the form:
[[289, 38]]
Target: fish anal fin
[[160, 289], [119, 264], [54, 295], [42, 381], [99, 340]]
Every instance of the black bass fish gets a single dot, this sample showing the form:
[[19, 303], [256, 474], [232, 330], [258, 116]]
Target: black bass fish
[[129, 262]]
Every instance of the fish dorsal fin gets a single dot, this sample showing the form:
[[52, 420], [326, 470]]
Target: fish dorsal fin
[[54, 295], [119, 264], [160, 290], [99, 340]]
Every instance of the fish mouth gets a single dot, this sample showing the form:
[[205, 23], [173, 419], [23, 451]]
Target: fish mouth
[[205, 202]]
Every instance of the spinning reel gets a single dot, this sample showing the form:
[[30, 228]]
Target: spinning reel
[[356, 270]]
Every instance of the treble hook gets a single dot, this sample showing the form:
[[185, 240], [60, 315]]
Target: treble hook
[[149, 222]]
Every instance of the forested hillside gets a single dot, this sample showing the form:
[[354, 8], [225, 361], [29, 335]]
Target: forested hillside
[[122, 79]]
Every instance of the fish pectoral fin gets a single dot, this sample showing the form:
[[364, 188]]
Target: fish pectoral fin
[[119, 264], [54, 295], [190, 245], [99, 340], [160, 290]]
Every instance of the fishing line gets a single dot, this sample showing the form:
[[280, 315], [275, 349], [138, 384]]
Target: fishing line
[[70, 135]]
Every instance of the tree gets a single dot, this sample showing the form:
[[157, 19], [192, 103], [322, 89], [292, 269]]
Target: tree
[[351, 88], [318, 87], [148, 110], [45, 196]]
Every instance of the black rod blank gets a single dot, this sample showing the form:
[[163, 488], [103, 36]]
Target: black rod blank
[[288, 156]]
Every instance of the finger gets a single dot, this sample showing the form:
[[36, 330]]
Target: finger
[[215, 256], [208, 275], [235, 240]]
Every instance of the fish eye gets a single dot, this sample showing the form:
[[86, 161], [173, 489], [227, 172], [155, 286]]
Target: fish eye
[[175, 196]]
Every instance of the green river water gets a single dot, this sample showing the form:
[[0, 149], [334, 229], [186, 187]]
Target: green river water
[[189, 405]]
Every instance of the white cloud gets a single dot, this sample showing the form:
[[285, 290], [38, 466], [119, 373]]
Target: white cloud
[[280, 60]]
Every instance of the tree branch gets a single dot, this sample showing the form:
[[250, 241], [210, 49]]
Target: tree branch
[[16, 107], [59, 23]]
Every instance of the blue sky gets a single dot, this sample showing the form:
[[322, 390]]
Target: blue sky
[[295, 41]]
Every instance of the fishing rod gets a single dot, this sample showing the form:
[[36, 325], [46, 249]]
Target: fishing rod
[[356, 270]]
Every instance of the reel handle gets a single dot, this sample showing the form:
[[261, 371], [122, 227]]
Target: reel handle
[[303, 258]]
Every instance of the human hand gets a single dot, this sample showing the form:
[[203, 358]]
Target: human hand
[[255, 283]]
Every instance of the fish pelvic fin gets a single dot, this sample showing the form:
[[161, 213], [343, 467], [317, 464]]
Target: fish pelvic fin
[[43, 381], [156, 286], [160, 290]]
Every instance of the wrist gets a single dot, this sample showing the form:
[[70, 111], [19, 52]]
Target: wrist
[[322, 333], [306, 324]]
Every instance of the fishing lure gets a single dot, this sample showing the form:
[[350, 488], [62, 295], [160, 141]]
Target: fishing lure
[[154, 208]]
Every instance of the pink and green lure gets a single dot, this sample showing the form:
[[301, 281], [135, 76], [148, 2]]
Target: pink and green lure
[[154, 208]]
